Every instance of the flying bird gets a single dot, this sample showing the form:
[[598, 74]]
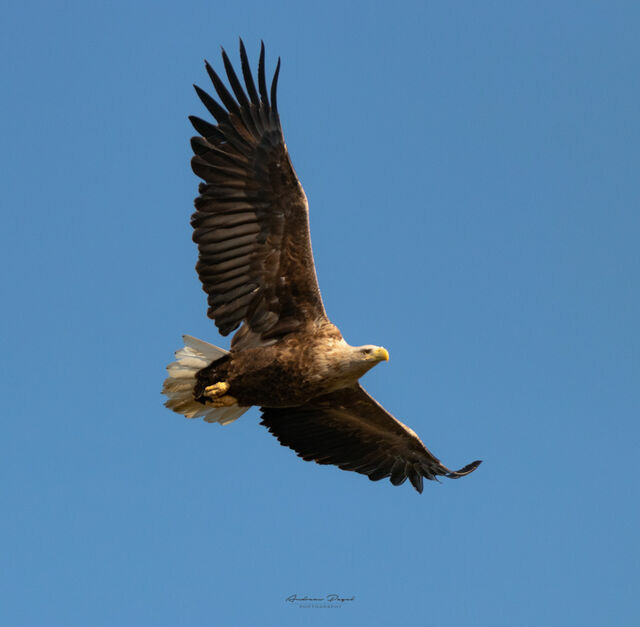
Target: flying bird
[[251, 226]]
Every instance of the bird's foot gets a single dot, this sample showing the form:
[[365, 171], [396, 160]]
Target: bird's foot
[[216, 390], [217, 396]]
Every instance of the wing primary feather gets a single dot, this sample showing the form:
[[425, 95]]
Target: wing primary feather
[[262, 83], [274, 87], [415, 477], [398, 476], [245, 111], [206, 129], [227, 99], [214, 136], [231, 142], [236, 86], [229, 133], [248, 77], [212, 106], [468, 469]]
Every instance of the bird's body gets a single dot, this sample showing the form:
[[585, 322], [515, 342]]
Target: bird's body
[[255, 262], [305, 364]]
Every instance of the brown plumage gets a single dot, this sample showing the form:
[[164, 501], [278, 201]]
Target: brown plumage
[[255, 262]]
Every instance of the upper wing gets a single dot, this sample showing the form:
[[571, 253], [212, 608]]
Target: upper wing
[[350, 429], [251, 221]]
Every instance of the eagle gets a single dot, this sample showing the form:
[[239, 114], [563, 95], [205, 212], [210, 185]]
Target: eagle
[[251, 226]]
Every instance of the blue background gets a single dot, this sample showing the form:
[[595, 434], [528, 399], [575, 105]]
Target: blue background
[[472, 171]]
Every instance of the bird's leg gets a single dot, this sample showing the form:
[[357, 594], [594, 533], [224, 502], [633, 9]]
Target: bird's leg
[[217, 395]]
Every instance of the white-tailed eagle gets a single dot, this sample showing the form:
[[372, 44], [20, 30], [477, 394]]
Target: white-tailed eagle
[[251, 226]]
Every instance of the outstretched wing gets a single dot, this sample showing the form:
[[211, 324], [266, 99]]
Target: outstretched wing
[[351, 430], [251, 221]]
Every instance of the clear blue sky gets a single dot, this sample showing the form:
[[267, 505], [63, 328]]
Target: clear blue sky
[[472, 171]]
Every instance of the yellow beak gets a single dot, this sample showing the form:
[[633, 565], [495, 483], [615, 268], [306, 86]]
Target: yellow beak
[[381, 354]]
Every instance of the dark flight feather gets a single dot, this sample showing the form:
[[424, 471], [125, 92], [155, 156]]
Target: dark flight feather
[[349, 429], [246, 168]]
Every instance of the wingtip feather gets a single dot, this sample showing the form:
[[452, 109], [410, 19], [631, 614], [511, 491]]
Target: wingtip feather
[[274, 88], [262, 82], [467, 470]]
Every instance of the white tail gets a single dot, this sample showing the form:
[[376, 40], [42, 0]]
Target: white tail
[[178, 386]]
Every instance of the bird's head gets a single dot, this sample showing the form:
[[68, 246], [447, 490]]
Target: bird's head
[[371, 354], [363, 358], [348, 363]]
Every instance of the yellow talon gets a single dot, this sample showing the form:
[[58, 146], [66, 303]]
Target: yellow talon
[[216, 390], [217, 396]]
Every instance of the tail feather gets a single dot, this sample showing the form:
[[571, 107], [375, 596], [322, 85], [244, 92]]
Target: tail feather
[[179, 385]]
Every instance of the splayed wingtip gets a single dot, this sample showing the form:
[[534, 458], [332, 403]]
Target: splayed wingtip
[[467, 470]]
